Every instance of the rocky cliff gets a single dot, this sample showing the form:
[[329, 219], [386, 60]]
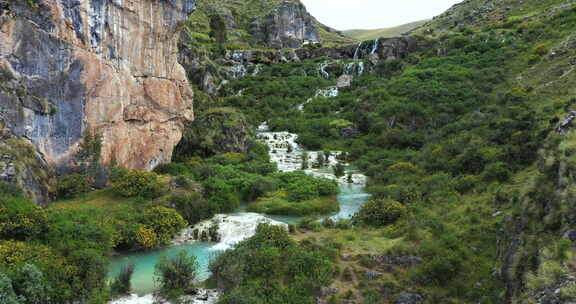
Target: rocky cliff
[[288, 26], [108, 66]]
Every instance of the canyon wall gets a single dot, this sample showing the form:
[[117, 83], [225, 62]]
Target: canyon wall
[[108, 66]]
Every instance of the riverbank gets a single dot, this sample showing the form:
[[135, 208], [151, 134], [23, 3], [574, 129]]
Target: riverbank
[[203, 296]]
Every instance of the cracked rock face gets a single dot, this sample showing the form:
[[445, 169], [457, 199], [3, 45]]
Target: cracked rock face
[[108, 66], [289, 26]]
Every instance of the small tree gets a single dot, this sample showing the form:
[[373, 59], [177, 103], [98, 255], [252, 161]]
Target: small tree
[[350, 178], [305, 161], [29, 283], [176, 275], [121, 284], [90, 151], [339, 170], [319, 160], [380, 212], [7, 294]]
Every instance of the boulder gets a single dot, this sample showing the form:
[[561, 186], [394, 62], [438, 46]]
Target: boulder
[[409, 298], [344, 81]]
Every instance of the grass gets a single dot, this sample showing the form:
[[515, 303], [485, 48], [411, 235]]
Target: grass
[[362, 35], [100, 199], [278, 206], [357, 245]]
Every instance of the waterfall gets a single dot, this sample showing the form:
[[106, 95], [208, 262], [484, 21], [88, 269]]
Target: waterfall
[[289, 156], [322, 69], [330, 92], [357, 50], [257, 70], [238, 71], [375, 46], [203, 296], [225, 230], [354, 68]]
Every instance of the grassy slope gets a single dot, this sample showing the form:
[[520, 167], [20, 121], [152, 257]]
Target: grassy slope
[[360, 34], [543, 69]]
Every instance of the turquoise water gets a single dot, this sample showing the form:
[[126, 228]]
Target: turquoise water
[[351, 198], [144, 262]]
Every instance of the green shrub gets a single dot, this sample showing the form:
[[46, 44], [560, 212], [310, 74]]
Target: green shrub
[[310, 223], [497, 171], [380, 212], [10, 190], [193, 207], [30, 285], [165, 223], [7, 294], [292, 274], [176, 275], [326, 186], [302, 190], [121, 284], [70, 186], [139, 183], [21, 219], [173, 169]]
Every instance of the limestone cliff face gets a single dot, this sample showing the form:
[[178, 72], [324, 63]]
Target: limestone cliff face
[[109, 66], [288, 26]]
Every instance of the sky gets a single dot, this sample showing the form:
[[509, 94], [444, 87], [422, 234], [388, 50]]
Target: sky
[[373, 14]]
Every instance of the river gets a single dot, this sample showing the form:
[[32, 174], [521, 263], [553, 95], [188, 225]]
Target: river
[[351, 197]]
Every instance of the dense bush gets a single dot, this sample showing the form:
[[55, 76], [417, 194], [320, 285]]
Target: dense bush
[[21, 219], [122, 283], [291, 274], [380, 212], [164, 222], [138, 183], [176, 275], [72, 185]]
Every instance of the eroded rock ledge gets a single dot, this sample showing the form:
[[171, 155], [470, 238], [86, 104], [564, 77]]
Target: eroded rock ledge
[[109, 66]]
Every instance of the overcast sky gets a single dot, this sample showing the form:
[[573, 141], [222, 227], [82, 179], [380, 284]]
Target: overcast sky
[[372, 14]]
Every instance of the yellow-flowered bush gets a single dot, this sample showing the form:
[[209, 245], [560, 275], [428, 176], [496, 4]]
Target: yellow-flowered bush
[[20, 219], [165, 222], [139, 183], [147, 238]]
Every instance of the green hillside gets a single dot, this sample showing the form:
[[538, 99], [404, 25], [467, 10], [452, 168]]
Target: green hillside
[[467, 141], [385, 32]]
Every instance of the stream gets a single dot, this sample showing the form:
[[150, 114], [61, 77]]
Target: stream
[[235, 227]]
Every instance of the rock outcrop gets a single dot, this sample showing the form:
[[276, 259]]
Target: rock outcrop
[[108, 66], [21, 165], [288, 26]]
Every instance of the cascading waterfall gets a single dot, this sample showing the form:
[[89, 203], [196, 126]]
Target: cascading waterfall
[[322, 69], [357, 51], [329, 92], [257, 70], [238, 71], [225, 230], [289, 156], [375, 47], [354, 68]]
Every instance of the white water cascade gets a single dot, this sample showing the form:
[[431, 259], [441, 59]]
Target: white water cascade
[[226, 230], [322, 69], [204, 296], [357, 51], [329, 92], [355, 68], [289, 156], [375, 46]]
